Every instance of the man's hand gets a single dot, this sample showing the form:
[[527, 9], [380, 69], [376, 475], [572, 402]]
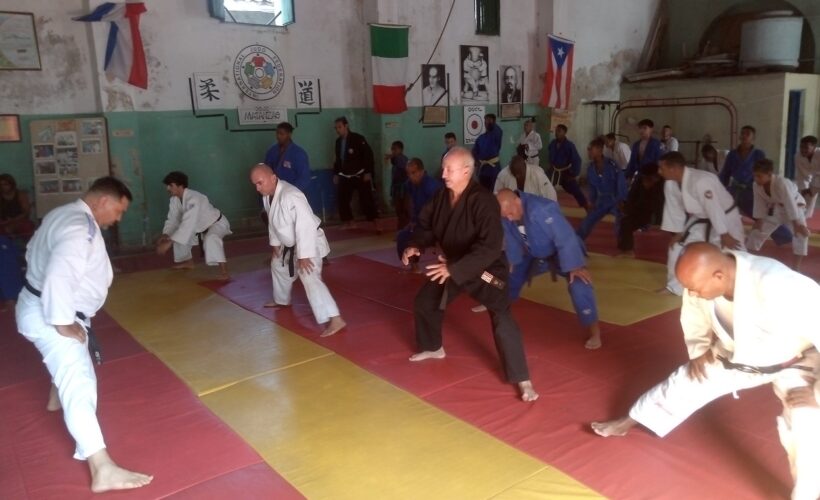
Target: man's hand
[[304, 265], [758, 225], [73, 331], [676, 238], [582, 273], [696, 369], [409, 252], [803, 397], [438, 272], [727, 241], [801, 229], [164, 244], [275, 252], [367, 177], [336, 179]]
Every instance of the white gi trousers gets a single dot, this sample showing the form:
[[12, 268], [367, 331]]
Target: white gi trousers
[[669, 403], [72, 371], [318, 295], [757, 237], [696, 232], [211, 241]]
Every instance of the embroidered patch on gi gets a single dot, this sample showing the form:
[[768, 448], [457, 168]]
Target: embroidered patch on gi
[[350, 151], [286, 164], [708, 195], [549, 220], [487, 277]]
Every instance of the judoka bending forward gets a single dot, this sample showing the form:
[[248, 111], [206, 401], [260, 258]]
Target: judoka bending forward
[[538, 239], [747, 321], [299, 245], [66, 284], [464, 221]]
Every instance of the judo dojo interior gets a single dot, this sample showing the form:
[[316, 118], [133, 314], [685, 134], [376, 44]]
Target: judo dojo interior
[[218, 397]]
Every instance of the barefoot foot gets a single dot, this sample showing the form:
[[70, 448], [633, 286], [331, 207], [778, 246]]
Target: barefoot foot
[[274, 305], [528, 394], [424, 355], [479, 309], [593, 343], [54, 400], [614, 427], [107, 476], [335, 325], [188, 264]]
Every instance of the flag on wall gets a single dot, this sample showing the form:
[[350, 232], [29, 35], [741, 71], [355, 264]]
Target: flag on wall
[[559, 72], [124, 54], [389, 49]]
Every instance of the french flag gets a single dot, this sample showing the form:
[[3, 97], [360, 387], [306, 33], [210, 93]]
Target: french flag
[[559, 72], [124, 55]]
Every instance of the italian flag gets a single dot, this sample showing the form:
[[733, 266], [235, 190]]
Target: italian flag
[[388, 47]]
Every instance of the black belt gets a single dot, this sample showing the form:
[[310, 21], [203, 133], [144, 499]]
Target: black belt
[[767, 370], [703, 221], [199, 235], [289, 255], [93, 345]]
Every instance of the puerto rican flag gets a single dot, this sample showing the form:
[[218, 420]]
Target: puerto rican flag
[[559, 72], [124, 54]]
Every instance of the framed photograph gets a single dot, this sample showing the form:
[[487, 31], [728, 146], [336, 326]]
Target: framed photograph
[[434, 85], [45, 168], [43, 151], [92, 127], [49, 186], [510, 86], [66, 139], [72, 186], [91, 146], [18, 42], [10, 128], [475, 74], [434, 115]]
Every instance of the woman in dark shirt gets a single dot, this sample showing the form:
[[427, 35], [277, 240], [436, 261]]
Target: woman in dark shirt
[[15, 209]]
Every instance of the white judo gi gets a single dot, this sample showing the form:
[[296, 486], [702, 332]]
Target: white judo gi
[[535, 182], [193, 215], [68, 264], [771, 322], [534, 145], [783, 206], [807, 178], [292, 225], [620, 154], [700, 208]]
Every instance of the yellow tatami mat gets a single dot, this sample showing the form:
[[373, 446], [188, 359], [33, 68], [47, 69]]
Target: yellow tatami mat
[[626, 290]]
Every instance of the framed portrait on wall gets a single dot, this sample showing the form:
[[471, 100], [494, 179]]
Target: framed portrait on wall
[[510, 92], [18, 41], [475, 74], [10, 128]]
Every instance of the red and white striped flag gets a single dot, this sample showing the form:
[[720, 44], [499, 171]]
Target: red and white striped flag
[[559, 72], [389, 50]]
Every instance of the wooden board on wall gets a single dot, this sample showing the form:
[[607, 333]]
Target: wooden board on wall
[[67, 156]]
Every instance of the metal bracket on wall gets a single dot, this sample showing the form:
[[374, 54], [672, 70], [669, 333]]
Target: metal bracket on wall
[[223, 115]]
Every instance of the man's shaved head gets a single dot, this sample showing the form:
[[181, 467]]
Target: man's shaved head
[[706, 271], [511, 207], [264, 179]]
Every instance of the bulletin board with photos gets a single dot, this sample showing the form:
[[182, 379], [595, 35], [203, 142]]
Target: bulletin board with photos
[[67, 156]]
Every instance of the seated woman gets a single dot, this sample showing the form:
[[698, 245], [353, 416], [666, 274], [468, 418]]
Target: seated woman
[[15, 209]]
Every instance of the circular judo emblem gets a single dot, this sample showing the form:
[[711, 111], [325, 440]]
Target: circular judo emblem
[[259, 72], [474, 124]]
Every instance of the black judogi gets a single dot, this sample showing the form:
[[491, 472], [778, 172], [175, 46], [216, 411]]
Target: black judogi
[[642, 208], [351, 164], [471, 237]]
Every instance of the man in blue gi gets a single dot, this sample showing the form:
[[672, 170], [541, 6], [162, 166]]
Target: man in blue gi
[[538, 239], [646, 150], [486, 150], [607, 189], [420, 188], [565, 163], [398, 179], [288, 161]]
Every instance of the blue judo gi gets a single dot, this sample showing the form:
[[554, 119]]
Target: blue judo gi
[[485, 151], [292, 167], [563, 154], [607, 191], [549, 245], [419, 196], [651, 154]]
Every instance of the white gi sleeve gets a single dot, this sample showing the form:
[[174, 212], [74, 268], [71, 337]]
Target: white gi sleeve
[[534, 144], [792, 201], [696, 321], [803, 174], [674, 214], [305, 228], [707, 196], [761, 207], [545, 187], [174, 216], [65, 270], [186, 230]]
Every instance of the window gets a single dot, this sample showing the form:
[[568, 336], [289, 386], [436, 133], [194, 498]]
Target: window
[[488, 17], [257, 12]]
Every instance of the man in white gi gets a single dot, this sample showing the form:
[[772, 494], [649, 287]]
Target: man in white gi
[[191, 217], [777, 202], [531, 141], [617, 151], [807, 166], [747, 321], [668, 142], [299, 245], [696, 208], [66, 284]]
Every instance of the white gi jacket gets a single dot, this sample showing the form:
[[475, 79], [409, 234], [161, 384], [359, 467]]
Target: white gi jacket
[[774, 315], [620, 154], [533, 143], [700, 196], [784, 196], [807, 175], [291, 222], [68, 263], [536, 182], [191, 215]]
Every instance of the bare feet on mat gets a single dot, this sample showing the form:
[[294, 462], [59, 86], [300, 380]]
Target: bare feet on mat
[[594, 340], [335, 324], [528, 394], [223, 277], [274, 305], [479, 308], [425, 355], [614, 427], [54, 400], [188, 264], [107, 476]]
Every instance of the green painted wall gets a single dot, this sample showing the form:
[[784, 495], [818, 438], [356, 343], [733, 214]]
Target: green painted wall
[[144, 146]]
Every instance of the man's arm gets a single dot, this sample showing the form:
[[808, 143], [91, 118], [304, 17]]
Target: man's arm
[[725, 174], [423, 236], [304, 226], [174, 215], [803, 174], [368, 161], [674, 214], [760, 209], [186, 230], [65, 270], [632, 165], [576, 161]]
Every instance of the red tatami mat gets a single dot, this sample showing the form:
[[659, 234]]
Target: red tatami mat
[[728, 450], [151, 420]]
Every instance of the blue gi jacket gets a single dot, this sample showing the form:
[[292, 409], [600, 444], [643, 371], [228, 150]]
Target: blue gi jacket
[[292, 167], [652, 154], [548, 234], [488, 144], [564, 153], [422, 194], [608, 187], [739, 169]]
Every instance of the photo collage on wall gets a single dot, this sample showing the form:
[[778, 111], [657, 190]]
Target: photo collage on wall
[[57, 149]]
